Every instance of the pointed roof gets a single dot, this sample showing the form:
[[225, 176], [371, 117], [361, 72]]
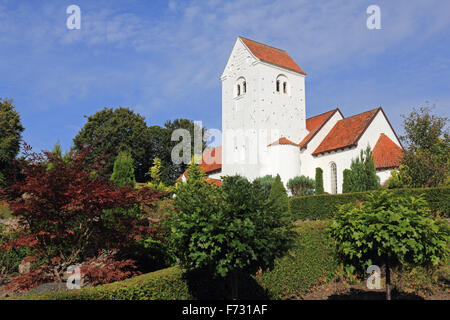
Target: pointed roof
[[271, 55], [386, 153], [346, 132], [211, 160], [282, 141], [314, 124]]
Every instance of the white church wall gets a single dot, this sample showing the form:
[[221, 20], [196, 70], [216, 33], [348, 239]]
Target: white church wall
[[284, 160], [260, 108], [308, 161], [384, 175], [343, 158]]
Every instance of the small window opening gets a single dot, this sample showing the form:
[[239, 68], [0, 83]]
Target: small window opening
[[244, 87], [284, 87], [278, 85], [238, 90]]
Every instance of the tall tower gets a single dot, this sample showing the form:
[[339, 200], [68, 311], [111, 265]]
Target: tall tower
[[263, 97]]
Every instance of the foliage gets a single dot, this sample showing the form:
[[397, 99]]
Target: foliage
[[227, 231], [68, 214], [10, 137], [110, 131], [392, 231], [346, 184], [10, 259], [398, 179], [325, 206], [279, 197], [301, 186], [362, 175], [123, 173], [265, 183], [426, 160], [106, 270], [155, 177], [310, 260], [319, 181], [161, 146]]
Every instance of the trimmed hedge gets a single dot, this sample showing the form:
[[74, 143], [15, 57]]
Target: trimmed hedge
[[311, 260], [317, 207]]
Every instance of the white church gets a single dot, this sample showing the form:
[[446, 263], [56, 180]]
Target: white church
[[265, 130]]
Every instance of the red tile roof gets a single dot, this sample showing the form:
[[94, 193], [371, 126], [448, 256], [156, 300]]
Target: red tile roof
[[272, 55], [386, 153], [314, 124], [211, 160], [346, 132], [216, 182], [282, 141]]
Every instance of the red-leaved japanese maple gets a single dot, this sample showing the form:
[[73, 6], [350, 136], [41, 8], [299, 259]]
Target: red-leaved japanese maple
[[69, 213]]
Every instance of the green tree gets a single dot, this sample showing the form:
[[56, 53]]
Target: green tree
[[111, 131], [319, 181], [279, 197], [397, 232], [301, 186], [123, 173], [155, 177], [266, 183], [346, 184], [227, 231], [10, 137], [362, 175], [161, 146], [426, 160]]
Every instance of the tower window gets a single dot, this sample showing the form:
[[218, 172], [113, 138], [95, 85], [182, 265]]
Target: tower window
[[244, 87], [238, 90], [278, 85], [284, 87]]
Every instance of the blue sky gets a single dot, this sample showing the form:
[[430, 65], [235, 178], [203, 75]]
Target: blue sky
[[163, 59]]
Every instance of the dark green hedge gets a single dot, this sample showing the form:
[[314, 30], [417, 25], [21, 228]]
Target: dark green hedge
[[311, 259], [325, 206]]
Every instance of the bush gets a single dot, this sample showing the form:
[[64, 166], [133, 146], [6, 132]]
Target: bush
[[319, 181], [325, 206], [293, 275], [5, 213], [391, 231], [301, 186], [266, 183], [311, 260], [123, 172]]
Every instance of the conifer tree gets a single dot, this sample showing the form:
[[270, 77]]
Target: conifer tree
[[279, 196], [123, 172], [319, 181]]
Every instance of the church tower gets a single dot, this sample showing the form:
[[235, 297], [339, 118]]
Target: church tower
[[263, 108]]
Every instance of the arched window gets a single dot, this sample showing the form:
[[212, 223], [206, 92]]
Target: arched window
[[333, 177], [282, 84], [240, 87]]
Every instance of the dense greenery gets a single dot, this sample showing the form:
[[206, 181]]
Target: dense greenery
[[279, 197], [229, 231], [426, 161], [301, 186], [123, 172], [310, 260], [10, 137], [326, 206], [362, 175], [265, 183], [110, 131], [390, 231], [319, 181]]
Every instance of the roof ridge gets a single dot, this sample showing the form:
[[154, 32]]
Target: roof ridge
[[263, 44], [321, 114]]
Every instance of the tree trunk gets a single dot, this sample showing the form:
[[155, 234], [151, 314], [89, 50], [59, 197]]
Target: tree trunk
[[388, 281], [234, 286]]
